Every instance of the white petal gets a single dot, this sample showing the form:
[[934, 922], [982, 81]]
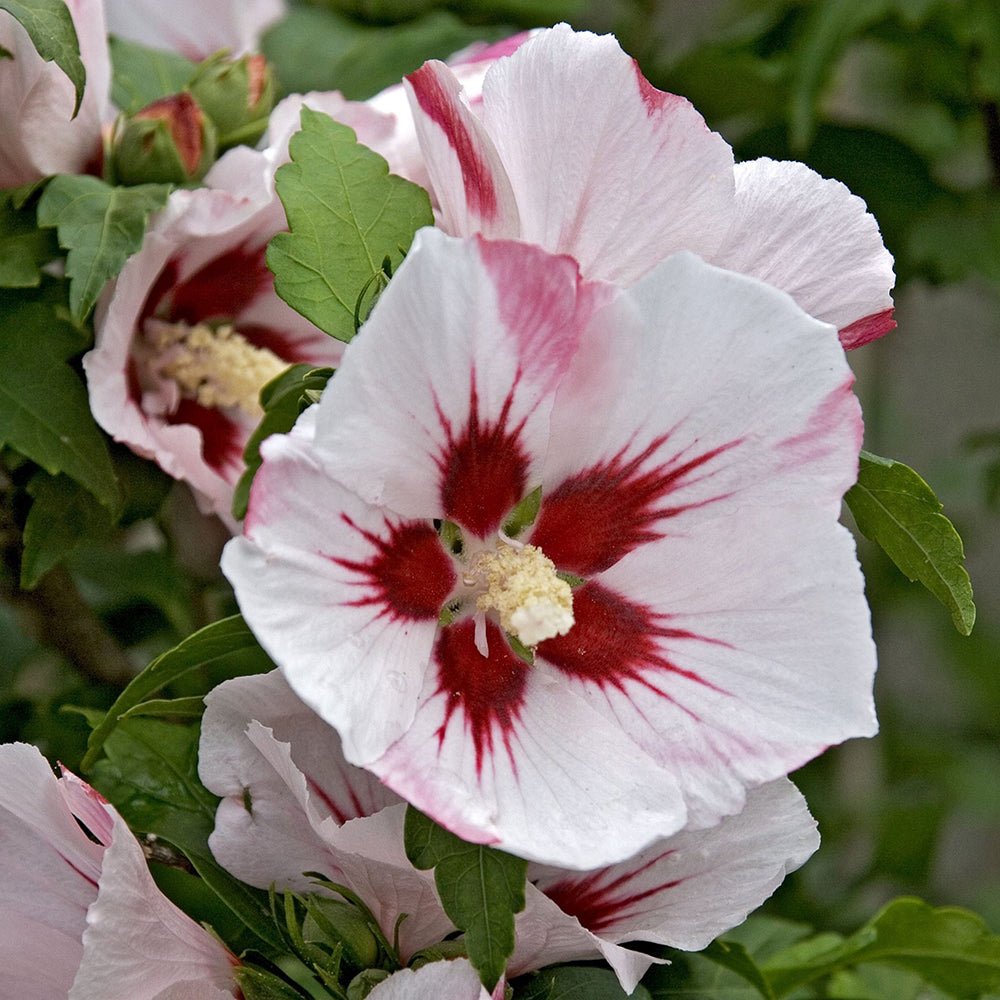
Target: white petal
[[467, 177], [473, 337], [138, 943], [604, 166], [40, 135], [194, 29], [455, 980], [499, 754], [688, 889], [815, 240]]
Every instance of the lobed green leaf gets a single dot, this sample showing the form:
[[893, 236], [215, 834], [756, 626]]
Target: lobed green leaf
[[481, 889], [898, 511], [50, 27], [346, 214], [101, 226], [24, 248]]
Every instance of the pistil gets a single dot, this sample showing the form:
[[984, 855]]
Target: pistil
[[522, 586]]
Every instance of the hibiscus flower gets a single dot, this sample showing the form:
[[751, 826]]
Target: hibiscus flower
[[40, 134], [561, 562], [570, 147], [291, 803], [192, 28], [82, 916]]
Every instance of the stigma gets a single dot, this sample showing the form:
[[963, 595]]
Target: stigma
[[214, 365], [523, 588]]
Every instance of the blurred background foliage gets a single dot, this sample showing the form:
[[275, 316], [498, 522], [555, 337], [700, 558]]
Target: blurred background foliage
[[900, 99]]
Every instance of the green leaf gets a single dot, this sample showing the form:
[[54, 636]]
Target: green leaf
[[150, 775], [568, 982], [283, 400], [44, 413], [24, 248], [228, 643], [50, 28], [734, 956], [63, 516], [192, 707], [947, 947], [100, 226], [898, 511], [141, 75], [480, 889], [346, 213]]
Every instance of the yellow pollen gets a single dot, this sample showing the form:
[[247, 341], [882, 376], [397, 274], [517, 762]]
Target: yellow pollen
[[216, 365], [534, 604]]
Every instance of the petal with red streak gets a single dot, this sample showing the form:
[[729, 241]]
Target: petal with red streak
[[345, 596], [688, 889], [467, 178], [499, 754], [603, 166], [473, 337]]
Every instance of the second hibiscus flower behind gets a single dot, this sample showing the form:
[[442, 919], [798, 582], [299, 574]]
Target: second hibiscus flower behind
[[680, 618]]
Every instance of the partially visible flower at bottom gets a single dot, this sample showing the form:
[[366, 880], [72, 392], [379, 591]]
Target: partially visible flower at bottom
[[455, 980], [82, 916], [291, 804]]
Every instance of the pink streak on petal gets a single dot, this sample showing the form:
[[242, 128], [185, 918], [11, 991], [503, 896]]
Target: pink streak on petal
[[835, 417], [593, 518], [483, 470], [599, 906], [613, 643], [868, 328], [497, 50], [532, 310], [408, 576], [480, 191], [654, 99], [223, 288], [221, 440], [487, 691]]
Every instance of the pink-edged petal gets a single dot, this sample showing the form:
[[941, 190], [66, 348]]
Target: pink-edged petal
[[292, 804], [455, 980], [720, 395], [348, 602], [604, 166], [467, 176], [812, 238], [499, 755], [473, 337], [194, 29], [138, 943], [40, 134], [52, 867], [731, 655], [547, 935], [688, 889]]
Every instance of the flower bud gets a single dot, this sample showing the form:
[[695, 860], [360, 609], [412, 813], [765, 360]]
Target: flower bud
[[237, 94], [170, 141]]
